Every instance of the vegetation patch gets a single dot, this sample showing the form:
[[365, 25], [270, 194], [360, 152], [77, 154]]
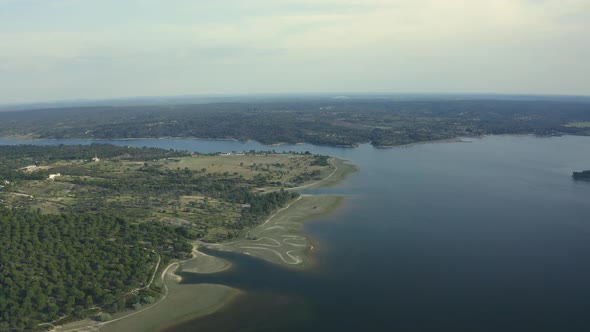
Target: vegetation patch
[[55, 267], [86, 228]]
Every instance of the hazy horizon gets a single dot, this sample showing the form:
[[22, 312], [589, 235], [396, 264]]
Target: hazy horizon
[[68, 50], [247, 97]]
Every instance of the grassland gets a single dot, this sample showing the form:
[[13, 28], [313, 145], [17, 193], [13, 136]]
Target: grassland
[[189, 191], [284, 168]]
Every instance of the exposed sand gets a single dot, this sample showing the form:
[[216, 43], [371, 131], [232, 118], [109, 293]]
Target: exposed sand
[[203, 263], [280, 239], [184, 302]]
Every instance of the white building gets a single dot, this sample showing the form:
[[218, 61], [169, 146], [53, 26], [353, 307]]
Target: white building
[[53, 176]]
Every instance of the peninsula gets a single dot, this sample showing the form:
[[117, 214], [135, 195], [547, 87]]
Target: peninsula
[[132, 216]]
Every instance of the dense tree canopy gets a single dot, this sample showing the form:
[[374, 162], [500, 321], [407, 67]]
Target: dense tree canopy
[[59, 265]]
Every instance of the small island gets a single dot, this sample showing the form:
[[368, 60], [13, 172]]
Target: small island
[[583, 176]]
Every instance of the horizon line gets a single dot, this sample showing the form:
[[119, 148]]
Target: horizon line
[[57, 102]]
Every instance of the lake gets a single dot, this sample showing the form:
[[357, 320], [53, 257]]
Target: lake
[[491, 235]]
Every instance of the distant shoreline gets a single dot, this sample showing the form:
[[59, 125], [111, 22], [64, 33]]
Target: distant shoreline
[[270, 145], [444, 140], [460, 139]]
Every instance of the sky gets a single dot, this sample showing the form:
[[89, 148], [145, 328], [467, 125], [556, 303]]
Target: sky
[[93, 49]]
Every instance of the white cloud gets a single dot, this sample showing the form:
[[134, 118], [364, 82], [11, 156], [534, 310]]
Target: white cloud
[[229, 46]]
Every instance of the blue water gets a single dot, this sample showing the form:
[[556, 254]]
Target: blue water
[[491, 235]]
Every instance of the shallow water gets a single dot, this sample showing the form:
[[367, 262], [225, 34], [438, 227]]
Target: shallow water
[[492, 235]]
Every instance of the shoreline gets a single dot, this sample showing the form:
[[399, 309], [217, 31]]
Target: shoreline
[[28, 138], [25, 139], [207, 298], [201, 263], [295, 249], [184, 302], [458, 139], [280, 238], [444, 140]]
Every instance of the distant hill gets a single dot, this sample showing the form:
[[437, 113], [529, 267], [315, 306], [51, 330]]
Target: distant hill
[[346, 120]]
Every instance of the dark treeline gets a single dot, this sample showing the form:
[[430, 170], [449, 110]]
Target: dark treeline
[[584, 175], [347, 122], [260, 205], [53, 266]]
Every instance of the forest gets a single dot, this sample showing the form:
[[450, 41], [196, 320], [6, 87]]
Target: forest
[[59, 266], [79, 233], [381, 121]]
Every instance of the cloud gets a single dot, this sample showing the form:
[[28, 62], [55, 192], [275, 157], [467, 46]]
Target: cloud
[[356, 45]]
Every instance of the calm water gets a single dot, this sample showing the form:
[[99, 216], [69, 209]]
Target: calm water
[[491, 235]]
